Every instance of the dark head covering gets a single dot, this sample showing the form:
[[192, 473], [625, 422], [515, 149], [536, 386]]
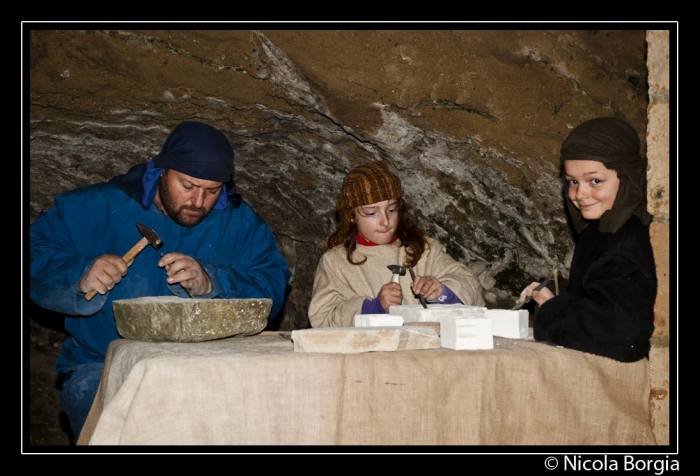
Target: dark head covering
[[198, 150], [364, 185], [615, 143], [195, 149]]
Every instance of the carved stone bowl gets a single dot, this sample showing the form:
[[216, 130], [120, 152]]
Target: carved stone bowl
[[174, 319]]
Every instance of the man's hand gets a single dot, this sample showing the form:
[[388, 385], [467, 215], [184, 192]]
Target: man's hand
[[186, 271], [390, 295], [428, 286], [104, 274], [540, 297]]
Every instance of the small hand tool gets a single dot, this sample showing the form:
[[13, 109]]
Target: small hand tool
[[529, 298], [420, 296], [397, 271], [186, 290], [150, 237], [541, 286]]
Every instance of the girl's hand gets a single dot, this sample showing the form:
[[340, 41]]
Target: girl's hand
[[390, 295], [428, 286], [540, 297]]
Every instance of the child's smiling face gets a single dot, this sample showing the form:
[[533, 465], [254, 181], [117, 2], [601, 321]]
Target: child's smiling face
[[592, 187], [377, 222]]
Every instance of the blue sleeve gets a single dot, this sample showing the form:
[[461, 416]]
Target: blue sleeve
[[56, 266], [258, 269], [447, 297], [373, 306]]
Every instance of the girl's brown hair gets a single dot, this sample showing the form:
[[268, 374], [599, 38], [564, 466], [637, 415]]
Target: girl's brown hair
[[364, 185]]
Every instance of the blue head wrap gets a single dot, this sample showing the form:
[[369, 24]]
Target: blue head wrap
[[198, 150]]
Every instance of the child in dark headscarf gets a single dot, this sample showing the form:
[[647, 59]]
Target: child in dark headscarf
[[608, 308]]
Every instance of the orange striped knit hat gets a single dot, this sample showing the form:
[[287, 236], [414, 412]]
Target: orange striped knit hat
[[363, 185]]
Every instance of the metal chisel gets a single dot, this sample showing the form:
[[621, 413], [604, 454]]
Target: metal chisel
[[420, 296], [529, 298], [545, 283]]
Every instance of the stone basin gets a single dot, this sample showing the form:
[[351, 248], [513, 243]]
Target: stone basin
[[174, 319]]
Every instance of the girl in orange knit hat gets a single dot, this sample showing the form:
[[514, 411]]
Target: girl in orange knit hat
[[374, 232]]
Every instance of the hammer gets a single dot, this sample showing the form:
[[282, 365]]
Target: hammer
[[396, 271], [150, 237]]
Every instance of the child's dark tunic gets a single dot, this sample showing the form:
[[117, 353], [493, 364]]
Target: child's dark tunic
[[608, 308]]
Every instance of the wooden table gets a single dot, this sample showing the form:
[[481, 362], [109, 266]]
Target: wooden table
[[258, 391]]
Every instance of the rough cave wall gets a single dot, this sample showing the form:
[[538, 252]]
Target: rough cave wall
[[471, 121]]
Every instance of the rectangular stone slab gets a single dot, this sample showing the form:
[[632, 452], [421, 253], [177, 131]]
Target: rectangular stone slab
[[354, 340], [174, 319], [417, 313], [508, 323], [433, 325], [466, 333], [378, 320]]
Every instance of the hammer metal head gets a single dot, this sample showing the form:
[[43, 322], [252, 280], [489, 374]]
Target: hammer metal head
[[150, 235], [396, 269]]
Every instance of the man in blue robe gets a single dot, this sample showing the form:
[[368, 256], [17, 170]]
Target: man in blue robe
[[214, 246]]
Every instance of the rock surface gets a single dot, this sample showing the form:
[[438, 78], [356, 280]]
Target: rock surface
[[354, 340], [173, 319]]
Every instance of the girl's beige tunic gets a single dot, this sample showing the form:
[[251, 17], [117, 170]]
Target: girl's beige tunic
[[340, 288]]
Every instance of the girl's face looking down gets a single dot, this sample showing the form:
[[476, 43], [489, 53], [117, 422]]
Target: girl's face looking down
[[592, 187], [377, 222]]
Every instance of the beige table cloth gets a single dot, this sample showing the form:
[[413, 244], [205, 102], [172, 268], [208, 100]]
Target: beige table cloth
[[258, 391]]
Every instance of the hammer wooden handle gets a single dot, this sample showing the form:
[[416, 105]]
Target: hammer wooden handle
[[90, 295], [137, 248], [128, 257]]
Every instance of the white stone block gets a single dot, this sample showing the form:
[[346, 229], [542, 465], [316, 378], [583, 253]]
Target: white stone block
[[508, 323], [433, 325], [416, 312], [461, 333], [351, 340], [377, 320]]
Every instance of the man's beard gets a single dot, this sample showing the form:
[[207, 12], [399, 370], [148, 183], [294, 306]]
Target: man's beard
[[177, 214]]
